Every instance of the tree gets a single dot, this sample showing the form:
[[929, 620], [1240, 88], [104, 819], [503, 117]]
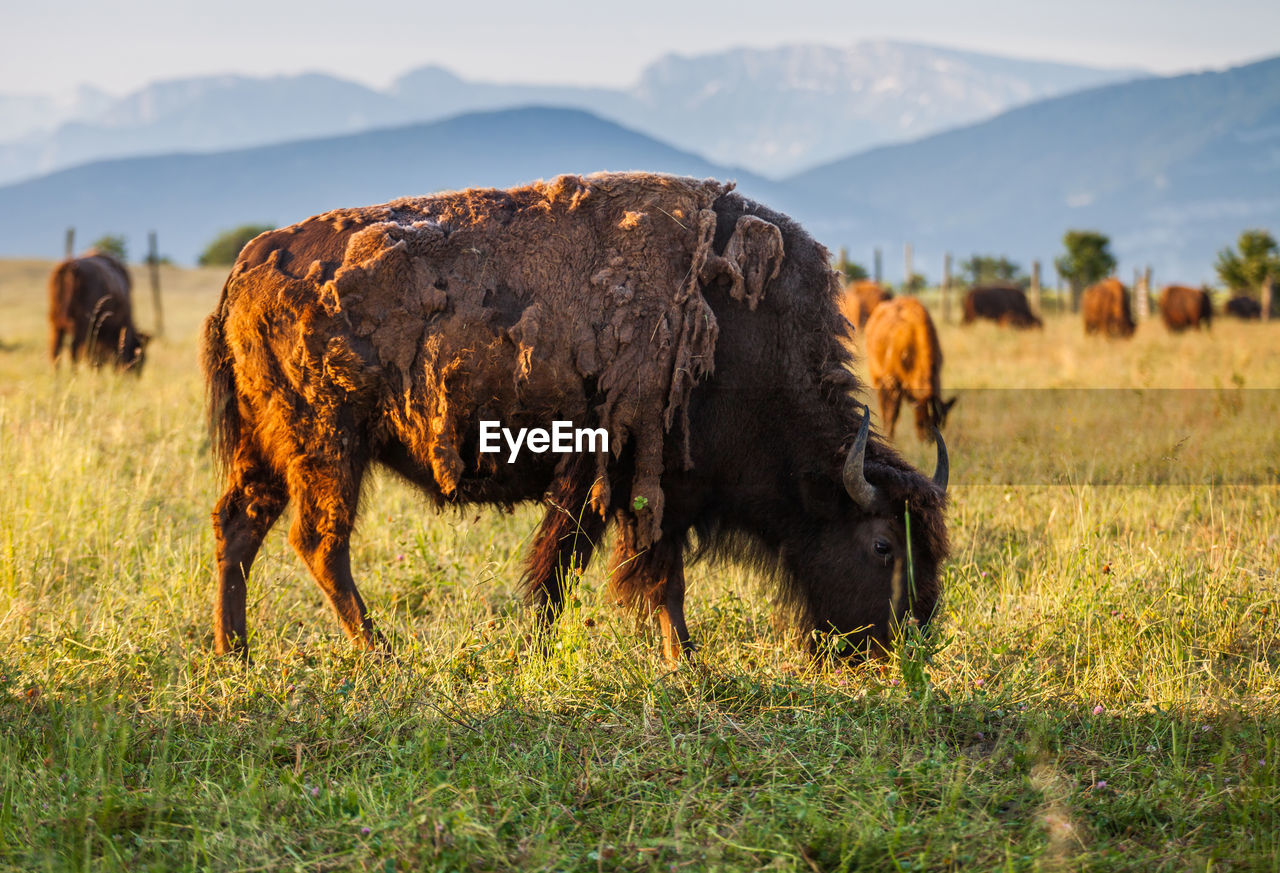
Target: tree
[[988, 269], [1088, 259], [852, 271], [915, 284], [112, 244], [226, 246], [1245, 271]]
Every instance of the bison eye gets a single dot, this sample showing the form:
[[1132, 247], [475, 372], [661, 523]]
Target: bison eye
[[882, 547]]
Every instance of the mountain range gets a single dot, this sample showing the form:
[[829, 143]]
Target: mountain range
[[774, 110], [1173, 168]]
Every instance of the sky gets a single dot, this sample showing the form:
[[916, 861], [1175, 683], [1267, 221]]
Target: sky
[[48, 48]]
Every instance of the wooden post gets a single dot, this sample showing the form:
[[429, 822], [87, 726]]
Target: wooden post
[[1139, 308], [946, 288], [71, 242], [153, 261], [906, 283], [879, 273], [1035, 289], [1146, 291], [1268, 290], [1075, 295]]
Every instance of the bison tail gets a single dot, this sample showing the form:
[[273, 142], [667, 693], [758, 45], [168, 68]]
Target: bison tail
[[220, 380], [61, 285]]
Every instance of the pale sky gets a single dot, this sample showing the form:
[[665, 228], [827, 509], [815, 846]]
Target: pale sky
[[51, 47]]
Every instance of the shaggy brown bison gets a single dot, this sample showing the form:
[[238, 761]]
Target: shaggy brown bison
[[697, 328], [860, 298], [1006, 305], [1183, 308], [1244, 307], [89, 301], [905, 360], [1106, 309]]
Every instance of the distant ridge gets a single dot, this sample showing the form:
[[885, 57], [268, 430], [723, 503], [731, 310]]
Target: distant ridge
[[1172, 168], [188, 198], [773, 110]]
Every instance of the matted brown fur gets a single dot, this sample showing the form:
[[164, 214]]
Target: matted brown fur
[[904, 361], [698, 328], [91, 308], [860, 298], [1182, 308], [1106, 309]]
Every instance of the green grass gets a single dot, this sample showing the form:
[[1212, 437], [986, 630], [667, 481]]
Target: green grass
[[126, 745]]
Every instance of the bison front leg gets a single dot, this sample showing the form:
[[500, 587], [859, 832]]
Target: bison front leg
[[249, 507], [890, 407], [321, 535], [653, 579]]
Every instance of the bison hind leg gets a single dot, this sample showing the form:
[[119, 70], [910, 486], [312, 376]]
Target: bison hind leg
[[652, 580], [252, 503], [327, 492], [562, 548]]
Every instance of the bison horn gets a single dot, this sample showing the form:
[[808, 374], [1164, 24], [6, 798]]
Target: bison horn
[[855, 480], [942, 471]]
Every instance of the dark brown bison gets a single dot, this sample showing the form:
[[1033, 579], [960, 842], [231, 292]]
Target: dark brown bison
[[905, 361], [697, 328], [1244, 307], [1106, 309], [89, 301], [860, 298], [1006, 305], [1183, 308]]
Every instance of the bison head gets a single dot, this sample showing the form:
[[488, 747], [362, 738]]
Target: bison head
[[131, 350], [875, 570]]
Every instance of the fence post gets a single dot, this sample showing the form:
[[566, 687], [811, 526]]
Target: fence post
[[946, 288], [906, 283], [71, 242], [153, 260], [1035, 289], [879, 273]]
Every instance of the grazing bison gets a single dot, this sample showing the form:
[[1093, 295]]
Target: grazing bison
[[1244, 307], [1106, 309], [697, 328], [905, 360], [1006, 305], [1183, 308], [89, 300], [860, 298]]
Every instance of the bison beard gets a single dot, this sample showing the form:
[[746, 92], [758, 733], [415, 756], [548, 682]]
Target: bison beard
[[386, 334]]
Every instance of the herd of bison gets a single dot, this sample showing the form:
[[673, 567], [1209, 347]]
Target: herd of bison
[[707, 333]]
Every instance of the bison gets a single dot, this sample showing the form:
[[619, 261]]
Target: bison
[[1183, 308], [1106, 309], [905, 360], [89, 299], [860, 298], [1244, 307], [695, 326], [1006, 305]]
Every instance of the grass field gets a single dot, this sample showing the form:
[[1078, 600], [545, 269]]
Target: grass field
[[1102, 690]]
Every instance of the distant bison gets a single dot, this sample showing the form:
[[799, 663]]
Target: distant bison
[[696, 328], [1244, 307], [905, 361], [1106, 309], [1183, 308], [89, 301], [1004, 304], [860, 298]]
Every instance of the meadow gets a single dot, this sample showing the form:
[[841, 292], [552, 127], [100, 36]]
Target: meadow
[[1101, 689]]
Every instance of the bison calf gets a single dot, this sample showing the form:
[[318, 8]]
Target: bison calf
[[905, 361], [1106, 309]]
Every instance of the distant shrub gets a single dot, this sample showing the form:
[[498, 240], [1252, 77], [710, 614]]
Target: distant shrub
[[991, 269], [1088, 258], [226, 246], [851, 270], [114, 245], [1244, 271]]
